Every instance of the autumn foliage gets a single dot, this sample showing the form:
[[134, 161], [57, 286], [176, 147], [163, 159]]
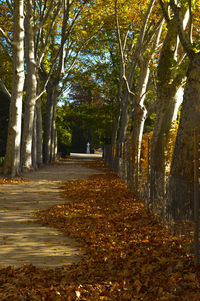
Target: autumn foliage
[[127, 254]]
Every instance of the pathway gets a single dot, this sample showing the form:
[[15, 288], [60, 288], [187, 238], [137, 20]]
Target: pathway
[[22, 241]]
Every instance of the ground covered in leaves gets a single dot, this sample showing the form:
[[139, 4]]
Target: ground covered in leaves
[[128, 255]]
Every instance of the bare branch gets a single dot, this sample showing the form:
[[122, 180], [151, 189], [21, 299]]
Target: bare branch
[[4, 89], [40, 57], [6, 36], [139, 47], [45, 17], [191, 22], [127, 86], [157, 29], [125, 40], [121, 48], [185, 22], [165, 12], [183, 37], [182, 59], [146, 20]]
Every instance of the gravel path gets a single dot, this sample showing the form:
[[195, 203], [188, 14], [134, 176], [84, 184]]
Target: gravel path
[[22, 241]]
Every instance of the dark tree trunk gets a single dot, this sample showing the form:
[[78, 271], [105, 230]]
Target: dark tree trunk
[[180, 189], [48, 124]]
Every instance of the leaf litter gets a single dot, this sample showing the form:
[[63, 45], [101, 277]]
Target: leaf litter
[[128, 254]]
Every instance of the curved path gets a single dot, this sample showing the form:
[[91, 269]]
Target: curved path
[[22, 241]]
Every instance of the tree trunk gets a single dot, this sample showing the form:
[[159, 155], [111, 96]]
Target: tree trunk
[[39, 133], [139, 118], [54, 132], [12, 158], [124, 120], [51, 97], [180, 189], [169, 87], [116, 125], [31, 90], [140, 112], [166, 118], [34, 144]]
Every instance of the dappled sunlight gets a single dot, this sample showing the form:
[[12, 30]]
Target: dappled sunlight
[[22, 241]]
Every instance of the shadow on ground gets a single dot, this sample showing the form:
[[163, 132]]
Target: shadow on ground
[[22, 241]]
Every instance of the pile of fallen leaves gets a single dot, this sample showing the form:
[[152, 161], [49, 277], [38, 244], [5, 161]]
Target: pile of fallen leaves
[[4, 180], [128, 255], [97, 164]]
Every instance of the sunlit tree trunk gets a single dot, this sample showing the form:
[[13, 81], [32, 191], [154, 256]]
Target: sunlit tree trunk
[[128, 72], [12, 158], [31, 89], [140, 112], [180, 190], [169, 96]]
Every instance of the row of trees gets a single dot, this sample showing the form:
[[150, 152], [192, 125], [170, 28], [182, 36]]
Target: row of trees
[[141, 57], [43, 40], [159, 72]]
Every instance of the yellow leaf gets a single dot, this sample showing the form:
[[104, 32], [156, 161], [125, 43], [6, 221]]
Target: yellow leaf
[[163, 260]]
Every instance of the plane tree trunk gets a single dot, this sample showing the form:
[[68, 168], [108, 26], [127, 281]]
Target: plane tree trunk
[[31, 90], [169, 96], [180, 190], [12, 157]]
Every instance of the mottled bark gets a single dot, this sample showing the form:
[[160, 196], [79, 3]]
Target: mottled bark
[[124, 120], [140, 112], [127, 100], [180, 190], [31, 89], [12, 158], [169, 88]]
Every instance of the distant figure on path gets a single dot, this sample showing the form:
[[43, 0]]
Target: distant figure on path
[[88, 148]]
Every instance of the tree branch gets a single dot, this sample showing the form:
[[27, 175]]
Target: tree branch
[[40, 57], [158, 30], [164, 11], [45, 16], [146, 20], [4, 89], [188, 48], [6, 36], [191, 22]]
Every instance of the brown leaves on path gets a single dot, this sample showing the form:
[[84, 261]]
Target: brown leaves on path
[[128, 254]]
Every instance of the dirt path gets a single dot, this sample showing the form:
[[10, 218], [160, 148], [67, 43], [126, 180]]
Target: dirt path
[[22, 241]]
